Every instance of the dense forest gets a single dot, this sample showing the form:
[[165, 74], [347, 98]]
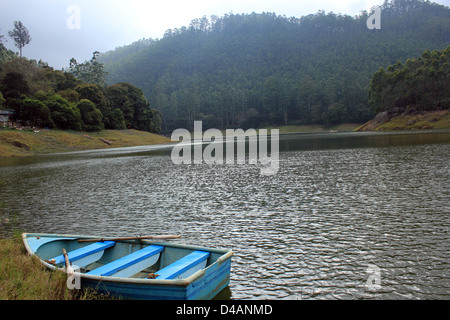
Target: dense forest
[[74, 99], [420, 84], [251, 70]]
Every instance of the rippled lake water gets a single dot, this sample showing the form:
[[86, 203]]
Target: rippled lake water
[[341, 206]]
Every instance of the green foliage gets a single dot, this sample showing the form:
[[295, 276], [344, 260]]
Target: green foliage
[[58, 99], [64, 114], [14, 85], [2, 99], [134, 106], [95, 94], [70, 95], [114, 120], [68, 82], [418, 84], [156, 121], [301, 70], [91, 116], [90, 71], [5, 55], [36, 77], [36, 113], [336, 113]]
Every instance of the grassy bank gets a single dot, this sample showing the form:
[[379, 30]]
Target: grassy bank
[[432, 120], [23, 277], [17, 143], [424, 121]]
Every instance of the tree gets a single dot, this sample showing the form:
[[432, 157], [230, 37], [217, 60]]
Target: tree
[[95, 94], [36, 113], [155, 125], [90, 72], [274, 101], [20, 35], [134, 106], [64, 114], [5, 55], [286, 70], [31, 72], [306, 94], [2, 100], [68, 82], [114, 120], [45, 97], [14, 86], [91, 116], [418, 84], [336, 113]]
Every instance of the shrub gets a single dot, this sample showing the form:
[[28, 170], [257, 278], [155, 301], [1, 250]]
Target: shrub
[[36, 113], [115, 120], [90, 115]]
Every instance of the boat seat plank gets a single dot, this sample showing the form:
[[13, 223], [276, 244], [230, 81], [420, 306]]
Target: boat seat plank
[[83, 252], [147, 255], [185, 266]]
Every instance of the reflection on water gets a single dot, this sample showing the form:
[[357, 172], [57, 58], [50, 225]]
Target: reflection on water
[[339, 203]]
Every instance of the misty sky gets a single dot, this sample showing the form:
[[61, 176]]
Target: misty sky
[[62, 29]]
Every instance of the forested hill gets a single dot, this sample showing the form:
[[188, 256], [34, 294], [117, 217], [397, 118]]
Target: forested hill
[[250, 70]]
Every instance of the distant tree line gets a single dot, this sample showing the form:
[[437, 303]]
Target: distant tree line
[[45, 97], [251, 70], [417, 85]]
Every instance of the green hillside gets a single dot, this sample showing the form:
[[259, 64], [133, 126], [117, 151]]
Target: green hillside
[[252, 70]]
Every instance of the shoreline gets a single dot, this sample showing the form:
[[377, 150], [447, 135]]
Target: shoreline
[[15, 143], [426, 120], [23, 277], [24, 143]]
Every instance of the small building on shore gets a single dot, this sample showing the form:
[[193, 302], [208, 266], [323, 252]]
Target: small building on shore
[[6, 117]]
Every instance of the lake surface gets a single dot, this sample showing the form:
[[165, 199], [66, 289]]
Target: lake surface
[[347, 216]]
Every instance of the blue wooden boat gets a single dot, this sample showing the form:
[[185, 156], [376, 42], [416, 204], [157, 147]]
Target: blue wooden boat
[[136, 268]]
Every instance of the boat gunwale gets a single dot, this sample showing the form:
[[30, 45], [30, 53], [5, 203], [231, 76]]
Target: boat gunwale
[[227, 254]]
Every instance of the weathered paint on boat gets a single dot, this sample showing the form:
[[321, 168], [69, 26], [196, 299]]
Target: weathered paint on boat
[[202, 284]]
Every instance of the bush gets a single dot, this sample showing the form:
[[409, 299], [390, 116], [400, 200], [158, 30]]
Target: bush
[[92, 117], [36, 113], [115, 120], [64, 114], [14, 86], [95, 94]]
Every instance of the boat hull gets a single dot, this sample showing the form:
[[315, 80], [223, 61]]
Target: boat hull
[[204, 284], [205, 287]]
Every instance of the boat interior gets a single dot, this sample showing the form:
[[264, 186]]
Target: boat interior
[[125, 259]]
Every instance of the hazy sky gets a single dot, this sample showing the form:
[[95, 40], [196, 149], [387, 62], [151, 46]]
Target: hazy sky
[[62, 29]]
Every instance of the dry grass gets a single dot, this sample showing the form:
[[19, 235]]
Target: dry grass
[[424, 121], [15, 143], [431, 120], [23, 277]]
